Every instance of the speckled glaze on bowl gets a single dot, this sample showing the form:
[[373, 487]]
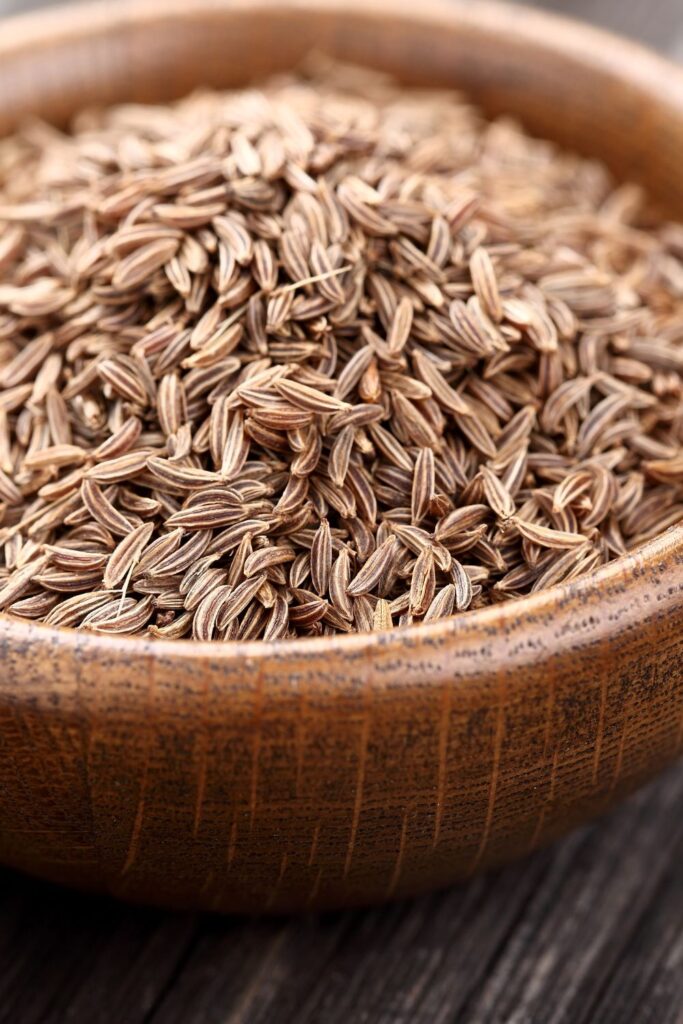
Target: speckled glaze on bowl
[[352, 770]]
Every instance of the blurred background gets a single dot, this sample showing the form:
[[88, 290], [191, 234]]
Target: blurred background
[[656, 22]]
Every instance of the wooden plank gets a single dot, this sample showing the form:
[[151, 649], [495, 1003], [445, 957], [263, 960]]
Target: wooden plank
[[75, 958], [647, 983], [570, 944]]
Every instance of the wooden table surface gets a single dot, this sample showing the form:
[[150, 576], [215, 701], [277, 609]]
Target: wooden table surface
[[588, 932]]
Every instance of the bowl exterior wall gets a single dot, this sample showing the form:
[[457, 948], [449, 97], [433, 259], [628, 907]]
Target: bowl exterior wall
[[323, 774]]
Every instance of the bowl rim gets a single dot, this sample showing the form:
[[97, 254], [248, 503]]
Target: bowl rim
[[601, 48], [498, 618], [628, 61]]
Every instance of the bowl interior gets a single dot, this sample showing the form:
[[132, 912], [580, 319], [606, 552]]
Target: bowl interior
[[584, 88]]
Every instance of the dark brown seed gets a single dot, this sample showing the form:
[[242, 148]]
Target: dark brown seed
[[321, 558], [463, 586], [340, 577], [278, 620], [423, 484], [423, 583]]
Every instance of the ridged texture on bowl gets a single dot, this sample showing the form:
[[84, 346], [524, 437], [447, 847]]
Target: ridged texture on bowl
[[334, 772]]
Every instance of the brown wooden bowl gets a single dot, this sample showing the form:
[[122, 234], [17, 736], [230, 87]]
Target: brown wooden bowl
[[329, 772]]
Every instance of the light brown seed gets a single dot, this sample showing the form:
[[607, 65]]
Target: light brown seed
[[71, 558], [20, 581], [230, 538], [126, 555], [340, 577], [665, 470], [206, 614], [340, 454], [391, 447], [381, 619], [308, 398], [423, 484], [102, 510], [157, 551], [239, 599], [185, 478], [442, 605], [444, 394], [460, 520], [55, 456], [546, 537], [26, 362], [73, 610], [485, 283], [497, 494], [9, 492], [123, 467], [401, 323], [376, 566], [37, 606], [179, 558]]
